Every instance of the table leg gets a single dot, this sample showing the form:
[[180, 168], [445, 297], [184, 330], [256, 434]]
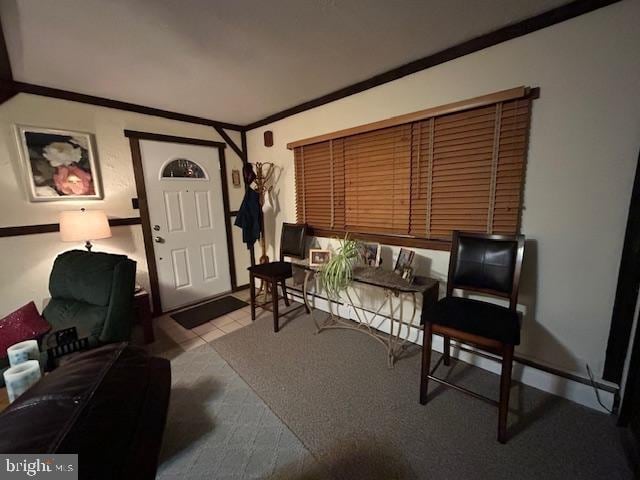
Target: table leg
[[399, 341], [390, 340], [400, 345], [305, 289]]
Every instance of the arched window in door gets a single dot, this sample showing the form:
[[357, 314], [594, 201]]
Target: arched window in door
[[183, 168]]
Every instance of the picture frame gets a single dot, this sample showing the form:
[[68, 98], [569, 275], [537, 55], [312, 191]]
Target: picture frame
[[59, 165], [404, 260], [235, 178], [407, 274], [371, 254], [319, 257]]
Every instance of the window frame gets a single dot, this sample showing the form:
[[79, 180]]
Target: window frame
[[177, 159], [408, 240]]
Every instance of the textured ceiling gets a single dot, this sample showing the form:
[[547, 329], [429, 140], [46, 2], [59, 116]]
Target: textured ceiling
[[235, 60]]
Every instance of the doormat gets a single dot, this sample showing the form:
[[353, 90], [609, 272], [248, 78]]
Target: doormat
[[195, 316]]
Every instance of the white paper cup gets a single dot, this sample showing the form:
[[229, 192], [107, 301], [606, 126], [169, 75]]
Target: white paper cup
[[23, 351], [21, 378]]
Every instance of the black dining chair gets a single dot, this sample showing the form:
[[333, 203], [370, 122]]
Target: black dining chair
[[487, 264], [292, 244]]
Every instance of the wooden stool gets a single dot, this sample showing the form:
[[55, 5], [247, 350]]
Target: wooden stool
[[274, 274], [292, 244]]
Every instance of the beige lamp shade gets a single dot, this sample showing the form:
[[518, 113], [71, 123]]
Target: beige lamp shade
[[84, 225]]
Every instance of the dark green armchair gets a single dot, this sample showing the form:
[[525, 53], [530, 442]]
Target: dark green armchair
[[94, 293]]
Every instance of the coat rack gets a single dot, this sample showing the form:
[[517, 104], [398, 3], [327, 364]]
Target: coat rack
[[264, 172]]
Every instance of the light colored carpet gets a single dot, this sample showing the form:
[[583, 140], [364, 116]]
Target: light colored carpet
[[218, 428], [363, 420]]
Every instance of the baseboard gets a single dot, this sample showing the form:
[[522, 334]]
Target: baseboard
[[562, 384]]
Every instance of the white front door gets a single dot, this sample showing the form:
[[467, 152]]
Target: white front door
[[184, 193]]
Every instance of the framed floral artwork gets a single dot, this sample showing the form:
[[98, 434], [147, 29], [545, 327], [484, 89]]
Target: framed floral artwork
[[59, 164]]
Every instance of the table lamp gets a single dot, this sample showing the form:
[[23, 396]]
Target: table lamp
[[87, 225]]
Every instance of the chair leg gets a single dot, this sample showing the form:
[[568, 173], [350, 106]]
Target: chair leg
[[426, 363], [284, 293], [446, 353], [274, 302], [505, 389], [252, 292]]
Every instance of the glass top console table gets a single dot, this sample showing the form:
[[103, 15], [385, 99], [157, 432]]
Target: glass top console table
[[367, 321]]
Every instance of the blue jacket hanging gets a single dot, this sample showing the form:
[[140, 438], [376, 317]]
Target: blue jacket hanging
[[248, 218]]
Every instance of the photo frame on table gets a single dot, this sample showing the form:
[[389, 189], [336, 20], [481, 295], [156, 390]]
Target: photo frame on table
[[408, 274], [59, 164], [318, 257], [371, 254], [405, 259]]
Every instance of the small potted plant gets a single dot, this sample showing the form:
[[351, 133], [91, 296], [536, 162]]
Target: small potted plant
[[337, 273]]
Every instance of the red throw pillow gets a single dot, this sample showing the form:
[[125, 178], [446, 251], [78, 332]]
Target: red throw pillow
[[23, 324]]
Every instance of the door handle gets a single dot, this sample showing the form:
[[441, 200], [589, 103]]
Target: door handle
[[158, 239]]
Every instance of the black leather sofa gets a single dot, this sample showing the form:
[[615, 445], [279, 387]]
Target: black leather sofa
[[108, 405]]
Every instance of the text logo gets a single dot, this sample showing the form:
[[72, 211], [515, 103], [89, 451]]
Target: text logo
[[52, 467]]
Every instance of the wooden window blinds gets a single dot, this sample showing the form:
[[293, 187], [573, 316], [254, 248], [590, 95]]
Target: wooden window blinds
[[421, 179]]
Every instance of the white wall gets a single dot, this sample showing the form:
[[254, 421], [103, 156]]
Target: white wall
[[582, 156], [25, 261]]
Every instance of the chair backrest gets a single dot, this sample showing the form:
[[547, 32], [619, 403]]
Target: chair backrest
[[487, 264], [85, 276], [292, 240], [100, 286]]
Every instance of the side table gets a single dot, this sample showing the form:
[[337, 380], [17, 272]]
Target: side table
[[142, 309], [368, 321]]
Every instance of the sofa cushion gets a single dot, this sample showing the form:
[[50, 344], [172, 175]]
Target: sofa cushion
[[107, 405], [476, 317], [84, 276]]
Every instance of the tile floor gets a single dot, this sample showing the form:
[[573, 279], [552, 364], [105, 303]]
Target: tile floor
[[172, 338]]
